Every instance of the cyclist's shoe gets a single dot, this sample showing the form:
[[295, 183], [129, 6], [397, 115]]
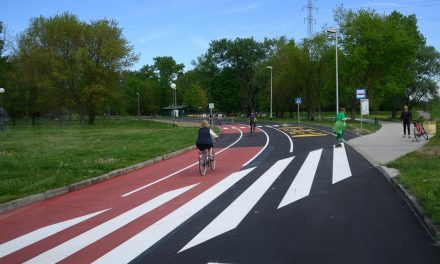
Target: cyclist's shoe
[[409, 136], [210, 157]]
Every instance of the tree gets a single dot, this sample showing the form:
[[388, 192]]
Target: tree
[[168, 71], [71, 64], [241, 55]]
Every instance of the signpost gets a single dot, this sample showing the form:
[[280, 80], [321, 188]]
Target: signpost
[[211, 106], [362, 95], [298, 102]]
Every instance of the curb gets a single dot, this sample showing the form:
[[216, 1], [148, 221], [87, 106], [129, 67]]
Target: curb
[[429, 226], [8, 206]]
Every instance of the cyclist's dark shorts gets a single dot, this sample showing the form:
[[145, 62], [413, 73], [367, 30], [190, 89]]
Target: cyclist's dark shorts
[[202, 147], [252, 124]]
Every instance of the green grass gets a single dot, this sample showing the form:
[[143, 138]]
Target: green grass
[[37, 158], [420, 174]]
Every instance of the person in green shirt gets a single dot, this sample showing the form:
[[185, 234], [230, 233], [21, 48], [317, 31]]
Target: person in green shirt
[[339, 126]]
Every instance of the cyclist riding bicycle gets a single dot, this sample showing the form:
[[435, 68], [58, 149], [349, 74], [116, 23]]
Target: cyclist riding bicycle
[[252, 121], [205, 137]]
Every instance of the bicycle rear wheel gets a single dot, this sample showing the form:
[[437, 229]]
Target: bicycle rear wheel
[[212, 162], [416, 134], [202, 162], [425, 134]]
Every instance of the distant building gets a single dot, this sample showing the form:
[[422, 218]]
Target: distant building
[[181, 110]]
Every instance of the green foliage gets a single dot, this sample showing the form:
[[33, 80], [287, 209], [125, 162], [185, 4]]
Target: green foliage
[[66, 63]]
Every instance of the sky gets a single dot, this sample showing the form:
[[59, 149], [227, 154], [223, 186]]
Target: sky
[[183, 29]]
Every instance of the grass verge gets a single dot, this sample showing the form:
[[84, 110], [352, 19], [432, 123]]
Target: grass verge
[[38, 158], [419, 174]]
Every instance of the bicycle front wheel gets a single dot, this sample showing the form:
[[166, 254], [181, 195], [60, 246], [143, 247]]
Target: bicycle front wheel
[[212, 162], [416, 134], [202, 163], [425, 134]]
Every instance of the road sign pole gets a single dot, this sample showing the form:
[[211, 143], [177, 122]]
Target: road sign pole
[[298, 114]]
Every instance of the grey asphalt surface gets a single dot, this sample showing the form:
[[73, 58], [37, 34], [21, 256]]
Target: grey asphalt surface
[[361, 219]]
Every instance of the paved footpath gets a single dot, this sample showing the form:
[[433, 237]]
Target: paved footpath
[[386, 145]]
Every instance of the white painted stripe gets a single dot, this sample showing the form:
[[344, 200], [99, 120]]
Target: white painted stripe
[[42, 233], [259, 126], [179, 171], [276, 125], [288, 137], [225, 128], [142, 241], [232, 216], [242, 127], [256, 155], [302, 183], [341, 168], [77, 243]]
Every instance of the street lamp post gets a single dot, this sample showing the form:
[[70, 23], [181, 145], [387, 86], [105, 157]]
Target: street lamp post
[[139, 107], [270, 115], [173, 86], [2, 90], [335, 31]]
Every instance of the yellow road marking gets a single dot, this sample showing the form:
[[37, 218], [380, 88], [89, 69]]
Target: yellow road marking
[[300, 131]]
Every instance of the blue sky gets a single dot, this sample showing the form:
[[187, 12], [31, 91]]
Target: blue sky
[[183, 29]]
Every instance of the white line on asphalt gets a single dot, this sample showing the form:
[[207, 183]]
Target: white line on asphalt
[[77, 243], [289, 137], [276, 125], [142, 241], [302, 183], [39, 234], [256, 155], [179, 171], [232, 216], [341, 167]]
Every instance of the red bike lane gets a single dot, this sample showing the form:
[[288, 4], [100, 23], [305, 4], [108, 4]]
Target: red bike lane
[[29, 231]]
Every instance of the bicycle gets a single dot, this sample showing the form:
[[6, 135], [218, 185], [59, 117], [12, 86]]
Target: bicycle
[[419, 131], [205, 161]]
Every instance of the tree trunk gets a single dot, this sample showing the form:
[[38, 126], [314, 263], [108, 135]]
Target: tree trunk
[[353, 108], [92, 115]]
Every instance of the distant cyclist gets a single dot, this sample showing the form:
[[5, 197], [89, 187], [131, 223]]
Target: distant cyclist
[[205, 137], [252, 122]]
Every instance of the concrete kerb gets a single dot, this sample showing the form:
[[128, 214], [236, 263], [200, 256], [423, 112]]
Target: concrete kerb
[[82, 184]]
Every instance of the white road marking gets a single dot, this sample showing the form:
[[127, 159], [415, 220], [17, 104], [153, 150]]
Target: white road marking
[[142, 241], [42, 233], [259, 126], [341, 167], [77, 243], [232, 216], [288, 137], [179, 171], [225, 128], [242, 127], [256, 155], [303, 181], [276, 125]]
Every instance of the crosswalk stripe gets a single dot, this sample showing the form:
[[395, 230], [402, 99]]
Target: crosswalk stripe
[[231, 217], [77, 243], [302, 183], [42, 233], [341, 167], [142, 241]]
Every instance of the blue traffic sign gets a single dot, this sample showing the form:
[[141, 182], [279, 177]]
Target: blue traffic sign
[[297, 100]]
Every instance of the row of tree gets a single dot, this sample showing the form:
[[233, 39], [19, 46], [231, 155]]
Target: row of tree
[[62, 65]]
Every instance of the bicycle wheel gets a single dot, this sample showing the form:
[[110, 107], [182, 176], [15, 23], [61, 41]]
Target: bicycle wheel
[[202, 163], [416, 134], [425, 134], [212, 162]]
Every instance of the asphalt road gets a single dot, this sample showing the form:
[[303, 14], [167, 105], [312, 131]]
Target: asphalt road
[[283, 195]]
